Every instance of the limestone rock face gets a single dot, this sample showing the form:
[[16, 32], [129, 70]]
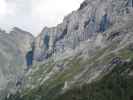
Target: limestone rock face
[[24, 39], [89, 20], [13, 48]]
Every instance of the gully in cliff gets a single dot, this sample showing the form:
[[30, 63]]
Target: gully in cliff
[[130, 3], [30, 56]]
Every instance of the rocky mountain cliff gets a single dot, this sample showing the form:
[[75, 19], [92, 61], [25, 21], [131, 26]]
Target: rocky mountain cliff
[[24, 39], [13, 48], [91, 18], [89, 56]]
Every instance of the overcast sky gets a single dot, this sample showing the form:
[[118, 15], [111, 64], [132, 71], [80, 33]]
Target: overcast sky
[[33, 15]]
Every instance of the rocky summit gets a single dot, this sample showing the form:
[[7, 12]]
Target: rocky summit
[[89, 56]]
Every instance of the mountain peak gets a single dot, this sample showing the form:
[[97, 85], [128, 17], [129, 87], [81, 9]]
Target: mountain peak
[[19, 31]]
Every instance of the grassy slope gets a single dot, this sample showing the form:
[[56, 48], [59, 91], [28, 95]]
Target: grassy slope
[[115, 85]]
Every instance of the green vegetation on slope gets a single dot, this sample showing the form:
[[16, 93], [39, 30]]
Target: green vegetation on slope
[[116, 85]]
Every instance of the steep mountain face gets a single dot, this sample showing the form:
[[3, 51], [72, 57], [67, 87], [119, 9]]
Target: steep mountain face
[[24, 39], [91, 18], [13, 48], [89, 56]]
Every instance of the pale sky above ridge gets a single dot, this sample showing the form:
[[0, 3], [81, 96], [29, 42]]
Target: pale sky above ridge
[[33, 15]]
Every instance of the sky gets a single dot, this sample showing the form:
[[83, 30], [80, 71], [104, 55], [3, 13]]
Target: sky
[[34, 15]]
